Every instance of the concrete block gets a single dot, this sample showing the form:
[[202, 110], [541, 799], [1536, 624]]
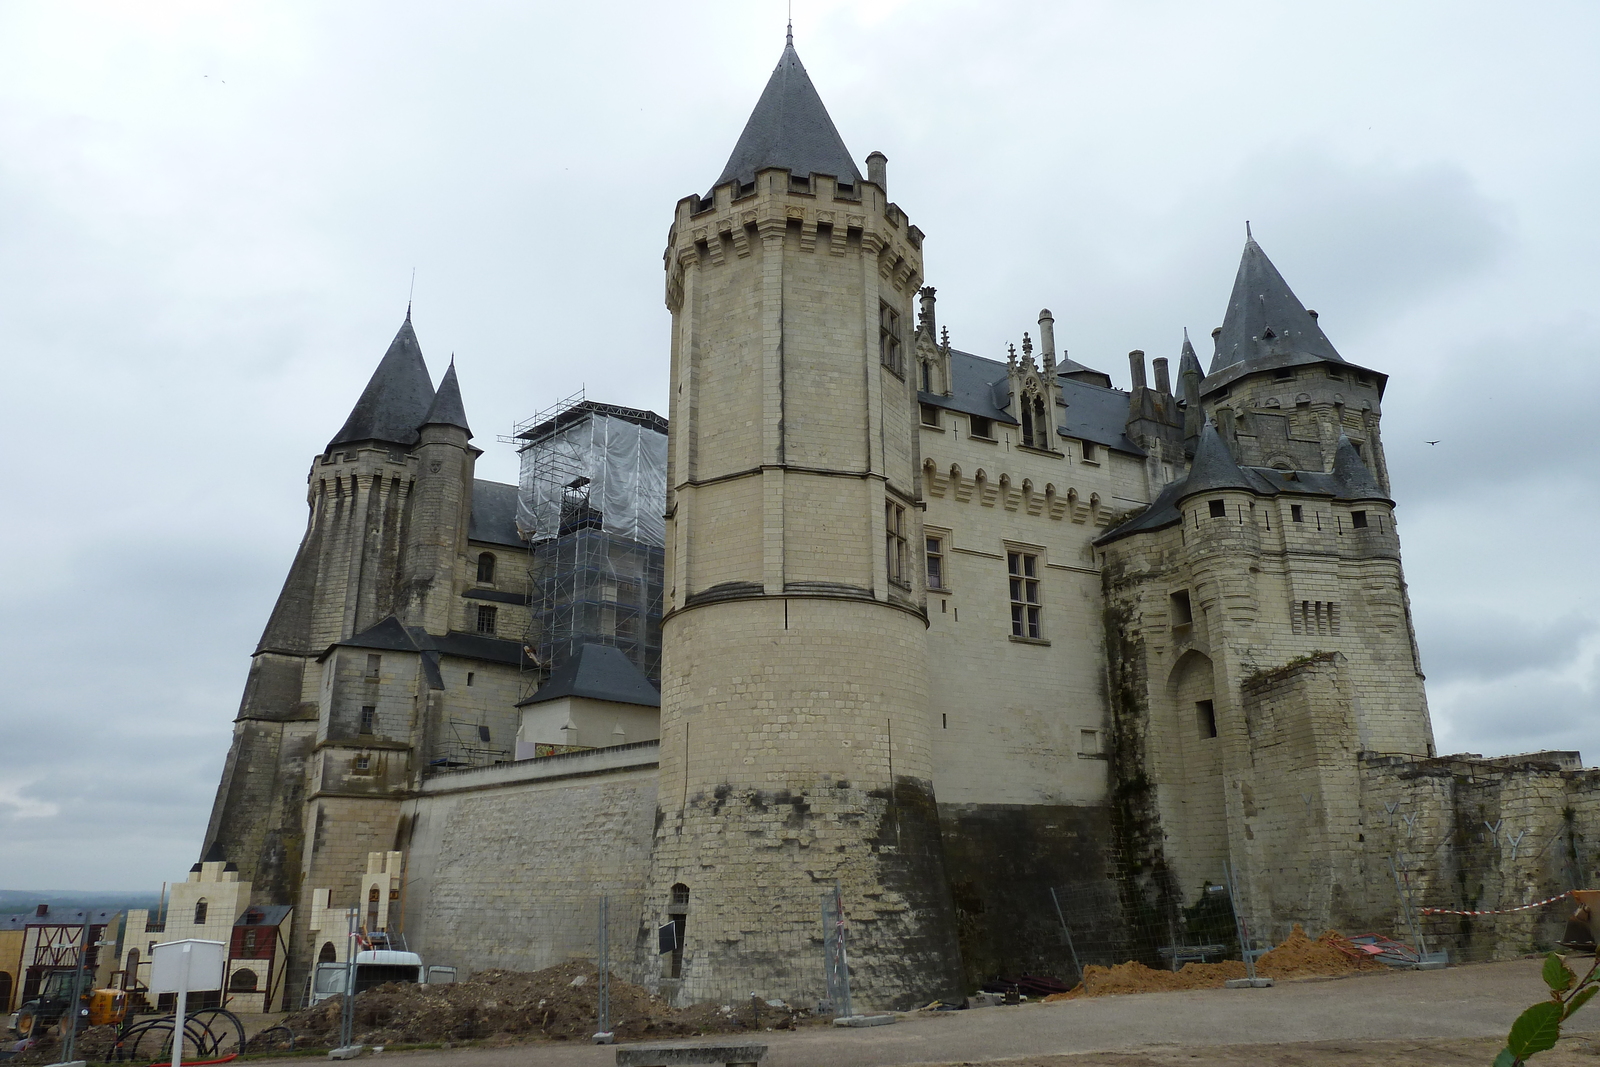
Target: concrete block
[[665, 1055], [865, 1020], [1247, 983], [347, 1052]]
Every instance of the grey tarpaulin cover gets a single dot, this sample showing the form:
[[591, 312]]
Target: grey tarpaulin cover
[[625, 463]]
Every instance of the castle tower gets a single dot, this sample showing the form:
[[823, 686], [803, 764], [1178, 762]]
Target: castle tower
[[795, 741], [341, 582], [1281, 393]]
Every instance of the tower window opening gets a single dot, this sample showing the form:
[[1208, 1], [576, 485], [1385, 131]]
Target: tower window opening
[[1023, 568], [894, 521], [1297, 512], [889, 349], [369, 718], [1358, 519], [1336, 374], [486, 568], [486, 619], [1357, 446], [200, 909], [981, 427], [1219, 509], [470, 676], [374, 666], [1283, 375], [1205, 717], [1182, 609], [935, 550]]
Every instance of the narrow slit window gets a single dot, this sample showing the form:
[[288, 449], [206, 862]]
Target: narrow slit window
[[889, 339], [894, 521], [935, 548]]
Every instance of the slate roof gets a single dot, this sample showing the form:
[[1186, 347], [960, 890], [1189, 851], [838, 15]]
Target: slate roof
[[390, 635], [446, 409], [494, 514], [1349, 480], [270, 915], [1266, 321], [598, 672], [979, 386], [1213, 467], [396, 398], [790, 128]]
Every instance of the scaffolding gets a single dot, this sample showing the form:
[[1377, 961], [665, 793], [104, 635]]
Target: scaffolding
[[591, 497]]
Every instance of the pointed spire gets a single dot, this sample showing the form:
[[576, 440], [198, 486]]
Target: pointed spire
[[1265, 318], [396, 398], [1355, 480], [1214, 467], [1189, 378], [790, 128], [447, 409]]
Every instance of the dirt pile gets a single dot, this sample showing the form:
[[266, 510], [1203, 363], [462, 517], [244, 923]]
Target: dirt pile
[[502, 1007], [1298, 957]]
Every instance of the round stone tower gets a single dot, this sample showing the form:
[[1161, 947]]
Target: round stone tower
[[795, 748]]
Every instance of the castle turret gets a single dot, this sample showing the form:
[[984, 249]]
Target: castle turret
[[1281, 393], [795, 750], [437, 532]]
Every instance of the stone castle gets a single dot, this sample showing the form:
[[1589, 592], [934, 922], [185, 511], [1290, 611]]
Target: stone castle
[[938, 631]]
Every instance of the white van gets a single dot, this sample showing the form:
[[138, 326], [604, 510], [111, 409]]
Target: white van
[[375, 967]]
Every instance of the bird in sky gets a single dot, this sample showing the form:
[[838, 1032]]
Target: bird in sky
[[1434, 442]]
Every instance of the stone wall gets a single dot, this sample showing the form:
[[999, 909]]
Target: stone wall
[[505, 865]]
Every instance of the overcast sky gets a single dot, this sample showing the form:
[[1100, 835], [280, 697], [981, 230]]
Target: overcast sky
[[210, 213]]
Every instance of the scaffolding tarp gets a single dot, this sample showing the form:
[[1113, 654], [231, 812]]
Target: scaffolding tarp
[[626, 468]]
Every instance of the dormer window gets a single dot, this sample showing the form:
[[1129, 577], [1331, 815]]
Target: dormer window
[[1035, 425]]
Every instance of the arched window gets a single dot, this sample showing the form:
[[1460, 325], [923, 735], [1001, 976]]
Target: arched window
[[328, 953], [486, 567], [200, 908], [243, 981]]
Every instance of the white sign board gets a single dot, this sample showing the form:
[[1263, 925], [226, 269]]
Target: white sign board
[[181, 966]]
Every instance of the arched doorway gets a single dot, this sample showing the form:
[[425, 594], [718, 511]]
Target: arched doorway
[[1198, 842], [328, 953]]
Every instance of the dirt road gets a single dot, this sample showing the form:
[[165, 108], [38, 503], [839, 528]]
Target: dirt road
[[1455, 1016]]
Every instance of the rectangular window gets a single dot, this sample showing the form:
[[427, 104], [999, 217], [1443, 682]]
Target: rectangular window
[[486, 619], [1358, 519], [1283, 375], [1219, 509], [981, 427], [889, 338], [364, 761], [1205, 717], [1297, 512], [470, 676], [1182, 611], [369, 718], [930, 415], [1024, 577], [936, 563], [1089, 452], [1336, 374], [894, 522], [373, 665], [1089, 742]]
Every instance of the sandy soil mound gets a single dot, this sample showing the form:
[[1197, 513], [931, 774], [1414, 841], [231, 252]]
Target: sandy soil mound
[[1297, 957], [508, 1006]]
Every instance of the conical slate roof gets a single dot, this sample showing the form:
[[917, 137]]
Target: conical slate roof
[[446, 408], [1265, 319], [1213, 467], [1355, 480], [790, 128], [395, 400]]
